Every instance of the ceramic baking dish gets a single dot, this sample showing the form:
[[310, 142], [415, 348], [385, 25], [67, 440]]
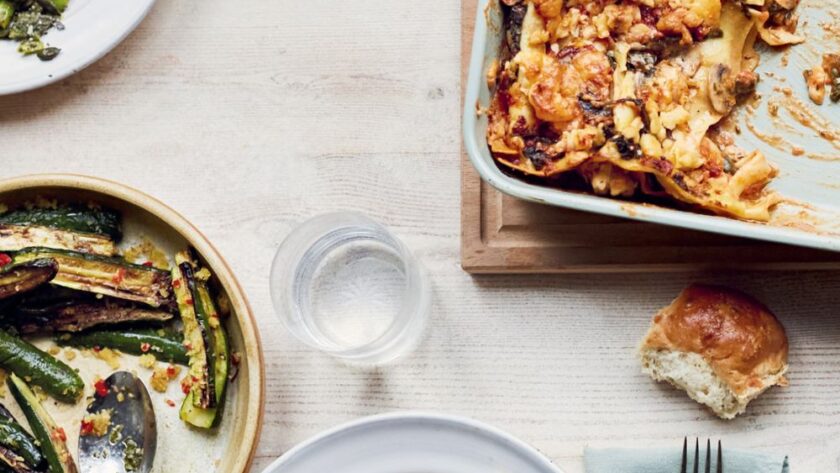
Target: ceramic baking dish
[[812, 185]]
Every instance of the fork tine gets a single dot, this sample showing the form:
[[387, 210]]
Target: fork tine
[[697, 455], [683, 468], [720, 459], [708, 468]]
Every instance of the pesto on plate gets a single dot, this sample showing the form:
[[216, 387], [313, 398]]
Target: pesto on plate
[[27, 21]]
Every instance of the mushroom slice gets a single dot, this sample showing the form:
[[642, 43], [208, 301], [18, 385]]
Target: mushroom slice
[[772, 36], [722, 89]]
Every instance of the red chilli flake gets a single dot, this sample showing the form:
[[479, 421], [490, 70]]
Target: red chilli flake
[[5, 259], [170, 403], [97, 348], [171, 371], [60, 434], [101, 388], [186, 384], [145, 347], [87, 427], [189, 301], [119, 277], [147, 264], [176, 283]]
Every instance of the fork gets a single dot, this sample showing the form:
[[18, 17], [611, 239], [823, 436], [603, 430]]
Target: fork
[[708, 469]]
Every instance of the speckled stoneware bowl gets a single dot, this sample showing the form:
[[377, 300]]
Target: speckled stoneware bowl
[[230, 447]]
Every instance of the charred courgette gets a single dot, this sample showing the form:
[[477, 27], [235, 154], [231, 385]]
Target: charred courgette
[[80, 317], [18, 237], [104, 275], [52, 308], [22, 277], [10, 461], [197, 336], [50, 436], [214, 360], [15, 438], [96, 221], [135, 342], [52, 375]]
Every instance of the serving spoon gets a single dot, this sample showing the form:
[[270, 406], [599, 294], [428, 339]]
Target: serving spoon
[[130, 443]]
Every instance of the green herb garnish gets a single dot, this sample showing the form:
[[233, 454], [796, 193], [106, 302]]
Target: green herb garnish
[[27, 21]]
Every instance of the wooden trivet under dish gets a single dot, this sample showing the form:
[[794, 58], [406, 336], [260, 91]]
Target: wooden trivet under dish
[[502, 234]]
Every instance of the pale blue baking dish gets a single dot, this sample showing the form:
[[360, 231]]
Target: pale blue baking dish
[[801, 179]]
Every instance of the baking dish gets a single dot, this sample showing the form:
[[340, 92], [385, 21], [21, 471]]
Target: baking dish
[[811, 215]]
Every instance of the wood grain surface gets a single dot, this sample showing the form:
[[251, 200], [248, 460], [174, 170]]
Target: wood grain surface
[[250, 123]]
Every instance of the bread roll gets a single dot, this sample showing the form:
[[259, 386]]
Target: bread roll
[[721, 346]]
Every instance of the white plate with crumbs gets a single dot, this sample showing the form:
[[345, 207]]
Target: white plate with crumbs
[[413, 443], [91, 28]]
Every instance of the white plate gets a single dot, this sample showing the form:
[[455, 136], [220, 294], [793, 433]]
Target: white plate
[[413, 443], [92, 28], [801, 179]]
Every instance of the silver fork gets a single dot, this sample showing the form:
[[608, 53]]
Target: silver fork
[[708, 469]]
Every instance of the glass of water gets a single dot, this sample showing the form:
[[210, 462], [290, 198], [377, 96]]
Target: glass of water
[[345, 285]]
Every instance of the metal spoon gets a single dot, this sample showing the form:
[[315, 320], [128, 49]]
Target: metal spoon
[[132, 430]]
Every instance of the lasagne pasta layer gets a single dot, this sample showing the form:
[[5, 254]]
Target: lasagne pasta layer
[[629, 96]]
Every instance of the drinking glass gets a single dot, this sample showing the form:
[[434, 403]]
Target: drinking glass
[[343, 284]]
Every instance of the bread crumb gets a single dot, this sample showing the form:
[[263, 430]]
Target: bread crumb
[[54, 350], [96, 424], [202, 274], [108, 356], [41, 202], [39, 393], [147, 361], [147, 253], [162, 376], [69, 354]]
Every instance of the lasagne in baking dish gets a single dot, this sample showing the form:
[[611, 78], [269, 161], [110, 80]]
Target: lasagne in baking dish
[[629, 97]]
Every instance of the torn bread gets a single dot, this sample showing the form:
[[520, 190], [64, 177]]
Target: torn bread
[[719, 345]]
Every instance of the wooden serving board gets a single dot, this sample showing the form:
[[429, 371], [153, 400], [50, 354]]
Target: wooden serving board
[[502, 234]]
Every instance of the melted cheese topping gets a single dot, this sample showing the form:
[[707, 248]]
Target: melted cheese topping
[[627, 94]]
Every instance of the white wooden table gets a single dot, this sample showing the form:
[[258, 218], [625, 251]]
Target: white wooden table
[[250, 123]]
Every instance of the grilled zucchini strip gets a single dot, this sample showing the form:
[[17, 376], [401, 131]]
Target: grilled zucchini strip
[[18, 440], [107, 276], [135, 342], [18, 237], [196, 333], [50, 436], [23, 277], [52, 375], [215, 359], [77, 219]]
